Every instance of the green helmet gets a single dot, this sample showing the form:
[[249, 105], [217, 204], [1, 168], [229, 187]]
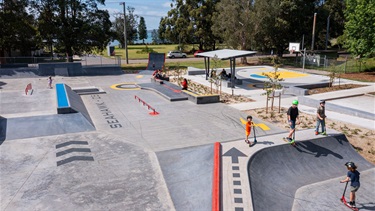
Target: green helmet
[[295, 102]]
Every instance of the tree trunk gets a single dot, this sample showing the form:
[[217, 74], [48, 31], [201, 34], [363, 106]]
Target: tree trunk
[[69, 54], [243, 47], [2, 59]]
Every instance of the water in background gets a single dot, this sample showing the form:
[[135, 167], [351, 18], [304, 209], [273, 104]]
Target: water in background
[[147, 41]]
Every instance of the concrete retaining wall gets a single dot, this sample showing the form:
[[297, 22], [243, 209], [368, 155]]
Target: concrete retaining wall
[[76, 69], [101, 70], [195, 71], [72, 68], [303, 89], [336, 108]]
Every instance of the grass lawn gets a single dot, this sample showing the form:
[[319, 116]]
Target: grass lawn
[[135, 51], [172, 65]]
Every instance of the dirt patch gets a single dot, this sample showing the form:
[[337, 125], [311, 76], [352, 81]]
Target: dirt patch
[[362, 139], [333, 88], [365, 76]]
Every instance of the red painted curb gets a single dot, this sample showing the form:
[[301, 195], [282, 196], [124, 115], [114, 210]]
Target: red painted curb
[[216, 178]]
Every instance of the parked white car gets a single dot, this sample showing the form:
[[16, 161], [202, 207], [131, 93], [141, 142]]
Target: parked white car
[[176, 54]]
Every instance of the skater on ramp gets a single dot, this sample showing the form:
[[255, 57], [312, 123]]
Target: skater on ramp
[[156, 61]]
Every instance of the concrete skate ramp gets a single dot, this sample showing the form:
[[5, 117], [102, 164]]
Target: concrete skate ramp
[[188, 174], [69, 101], [309, 196], [276, 173], [156, 61], [47, 125]]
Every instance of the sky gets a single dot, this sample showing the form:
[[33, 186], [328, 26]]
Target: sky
[[151, 10]]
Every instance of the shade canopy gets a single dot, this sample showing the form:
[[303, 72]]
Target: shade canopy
[[225, 54]]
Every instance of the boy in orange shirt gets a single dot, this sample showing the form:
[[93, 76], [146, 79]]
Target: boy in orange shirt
[[248, 128]]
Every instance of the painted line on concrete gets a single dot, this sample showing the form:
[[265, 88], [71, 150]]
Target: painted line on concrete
[[72, 150], [126, 86], [261, 125], [74, 158], [216, 178], [234, 153]]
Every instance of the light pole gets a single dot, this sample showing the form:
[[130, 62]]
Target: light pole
[[126, 44]]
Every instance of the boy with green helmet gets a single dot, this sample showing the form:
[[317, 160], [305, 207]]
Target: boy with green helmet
[[293, 118]]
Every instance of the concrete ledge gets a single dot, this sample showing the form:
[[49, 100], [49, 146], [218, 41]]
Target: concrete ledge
[[228, 83], [311, 102], [167, 90], [88, 90], [201, 99]]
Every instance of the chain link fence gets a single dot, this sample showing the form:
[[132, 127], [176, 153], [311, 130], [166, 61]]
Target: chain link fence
[[321, 62]]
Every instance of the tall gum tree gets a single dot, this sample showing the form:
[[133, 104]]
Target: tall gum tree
[[234, 23]]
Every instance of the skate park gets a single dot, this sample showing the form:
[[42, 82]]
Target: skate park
[[114, 153]]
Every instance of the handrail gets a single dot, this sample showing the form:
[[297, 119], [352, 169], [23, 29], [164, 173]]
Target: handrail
[[145, 104]]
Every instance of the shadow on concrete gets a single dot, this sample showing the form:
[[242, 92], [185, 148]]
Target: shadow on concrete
[[316, 150], [277, 172], [3, 129], [2, 84]]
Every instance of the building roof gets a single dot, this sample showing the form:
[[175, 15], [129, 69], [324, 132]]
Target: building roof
[[226, 54]]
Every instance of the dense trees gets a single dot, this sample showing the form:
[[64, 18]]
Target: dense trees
[[256, 25], [74, 26], [189, 21], [360, 27], [17, 28]]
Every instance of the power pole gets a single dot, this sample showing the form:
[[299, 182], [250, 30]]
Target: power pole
[[327, 34], [126, 42], [313, 33]]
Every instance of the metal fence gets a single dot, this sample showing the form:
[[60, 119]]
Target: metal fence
[[340, 64], [91, 60]]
